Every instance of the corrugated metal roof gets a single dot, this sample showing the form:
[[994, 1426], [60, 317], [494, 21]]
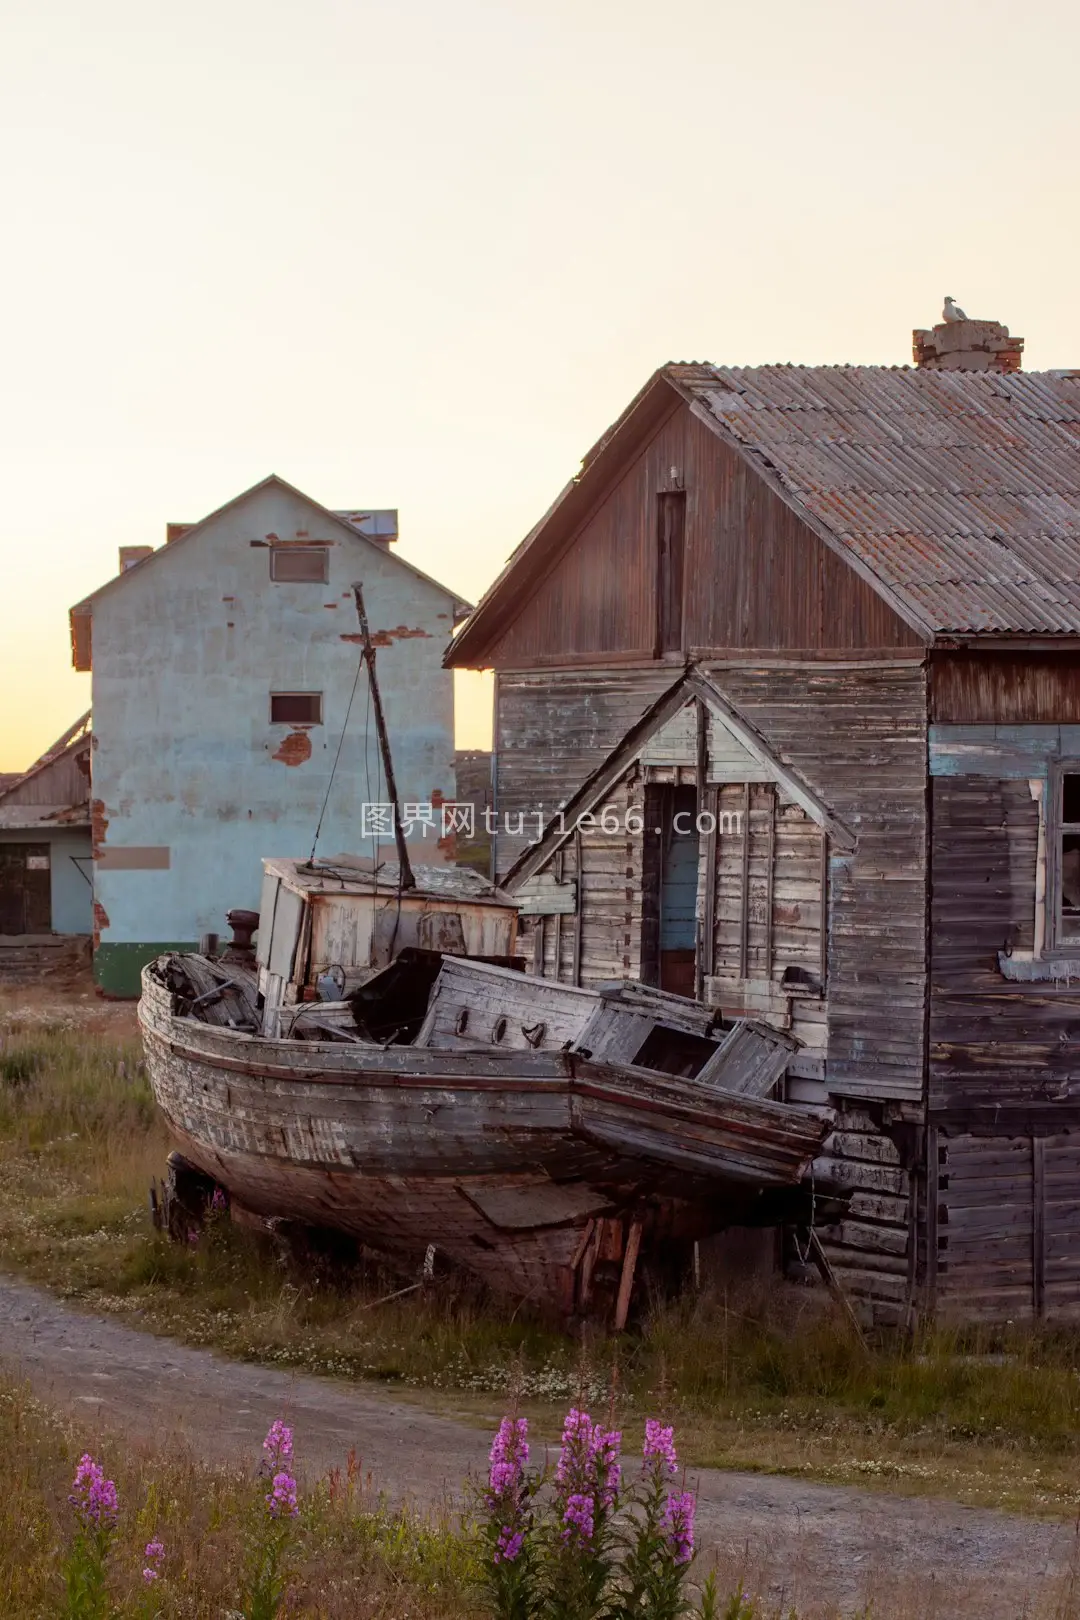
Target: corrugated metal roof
[[959, 490]]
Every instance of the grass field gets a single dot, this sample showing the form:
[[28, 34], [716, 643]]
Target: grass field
[[770, 1381], [353, 1558]]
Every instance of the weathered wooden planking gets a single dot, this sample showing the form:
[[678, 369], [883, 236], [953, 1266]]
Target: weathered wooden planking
[[748, 1061], [405, 1146], [859, 738], [476, 1003]]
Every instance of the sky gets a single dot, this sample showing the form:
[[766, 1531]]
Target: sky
[[419, 255]]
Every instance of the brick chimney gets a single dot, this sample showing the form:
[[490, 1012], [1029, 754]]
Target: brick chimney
[[130, 555], [967, 346]]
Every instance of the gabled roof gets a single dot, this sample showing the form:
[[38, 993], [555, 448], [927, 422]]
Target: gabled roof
[[954, 494], [26, 800], [75, 737], [693, 683], [340, 520]]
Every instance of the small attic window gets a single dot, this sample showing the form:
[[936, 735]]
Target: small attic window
[[296, 708], [300, 565]]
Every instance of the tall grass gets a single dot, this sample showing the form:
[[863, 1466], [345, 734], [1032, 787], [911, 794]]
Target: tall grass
[[356, 1558], [771, 1377]]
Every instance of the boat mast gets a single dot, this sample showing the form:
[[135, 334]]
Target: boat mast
[[405, 871]]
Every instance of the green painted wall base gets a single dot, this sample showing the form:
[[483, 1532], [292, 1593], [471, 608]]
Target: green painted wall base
[[117, 967]]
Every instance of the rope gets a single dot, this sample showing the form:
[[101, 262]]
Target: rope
[[337, 756]]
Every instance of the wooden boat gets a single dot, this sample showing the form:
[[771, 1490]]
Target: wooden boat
[[368, 1072], [551, 1140]]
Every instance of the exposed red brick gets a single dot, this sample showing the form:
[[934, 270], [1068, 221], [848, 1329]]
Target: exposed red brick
[[101, 920], [295, 748], [99, 826]]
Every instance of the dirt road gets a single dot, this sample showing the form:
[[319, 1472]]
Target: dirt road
[[815, 1544]]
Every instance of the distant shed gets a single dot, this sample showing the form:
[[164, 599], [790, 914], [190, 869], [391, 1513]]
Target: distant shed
[[45, 855]]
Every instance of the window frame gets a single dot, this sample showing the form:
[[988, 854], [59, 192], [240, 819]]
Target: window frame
[[274, 721], [671, 522], [1055, 941], [277, 551]]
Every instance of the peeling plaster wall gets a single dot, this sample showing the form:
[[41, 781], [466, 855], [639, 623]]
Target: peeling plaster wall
[[192, 783]]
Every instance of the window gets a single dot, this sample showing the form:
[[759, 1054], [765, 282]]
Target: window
[[296, 708], [300, 565], [671, 549], [1063, 856]]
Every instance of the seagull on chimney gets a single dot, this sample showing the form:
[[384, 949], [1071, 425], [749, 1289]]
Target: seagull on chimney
[[952, 311]]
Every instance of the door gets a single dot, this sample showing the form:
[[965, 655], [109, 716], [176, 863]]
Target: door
[[25, 889], [669, 898]]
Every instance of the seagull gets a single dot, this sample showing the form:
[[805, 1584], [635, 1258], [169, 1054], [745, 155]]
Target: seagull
[[952, 311]]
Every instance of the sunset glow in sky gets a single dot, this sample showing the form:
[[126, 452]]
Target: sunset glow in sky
[[419, 255]]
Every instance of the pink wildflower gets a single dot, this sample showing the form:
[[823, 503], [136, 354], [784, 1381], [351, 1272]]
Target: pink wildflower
[[509, 1454], [578, 1516], [281, 1499], [508, 1545], [93, 1496], [154, 1553], [660, 1446], [679, 1525], [278, 1445]]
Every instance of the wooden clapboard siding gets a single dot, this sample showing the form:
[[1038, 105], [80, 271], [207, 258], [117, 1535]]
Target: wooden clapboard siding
[[869, 1250], [1001, 1053], [857, 737], [756, 576], [554, 729], [1007, 1228], [1004, 688]]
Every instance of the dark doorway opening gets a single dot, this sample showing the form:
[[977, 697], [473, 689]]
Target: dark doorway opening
[[669, 888], [25, 889]]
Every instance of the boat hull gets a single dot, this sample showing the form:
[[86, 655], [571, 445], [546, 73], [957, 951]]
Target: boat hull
[[511, 1163]]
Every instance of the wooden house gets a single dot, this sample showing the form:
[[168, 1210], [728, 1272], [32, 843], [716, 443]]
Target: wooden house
[[45, 883], [787, 714]]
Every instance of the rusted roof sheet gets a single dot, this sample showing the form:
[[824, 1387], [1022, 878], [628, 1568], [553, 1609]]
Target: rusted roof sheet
[[959, 491]]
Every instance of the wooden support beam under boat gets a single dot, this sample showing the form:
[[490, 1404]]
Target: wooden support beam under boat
[[626, 1280]]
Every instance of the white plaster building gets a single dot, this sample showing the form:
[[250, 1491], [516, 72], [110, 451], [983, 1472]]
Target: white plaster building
[[222, 669]]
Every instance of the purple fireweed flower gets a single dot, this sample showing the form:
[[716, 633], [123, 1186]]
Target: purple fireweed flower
[[281, 1500], [660, 1446], [679, 1525], [193, 1237], [278, 1445], [589, 1464], [508, 1545], [154, 1553], [578, 1517], [217, 1203], [93, 1496], [509, 1454]]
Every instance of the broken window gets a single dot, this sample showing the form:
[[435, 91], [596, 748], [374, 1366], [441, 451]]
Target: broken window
[[671, 556], [296, 708], [300, 565]]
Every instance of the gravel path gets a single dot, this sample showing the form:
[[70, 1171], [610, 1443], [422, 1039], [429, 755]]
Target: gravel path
[[816, 1544]]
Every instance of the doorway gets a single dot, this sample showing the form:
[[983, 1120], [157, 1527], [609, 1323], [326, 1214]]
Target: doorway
[[25, 889], [669, 888]]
